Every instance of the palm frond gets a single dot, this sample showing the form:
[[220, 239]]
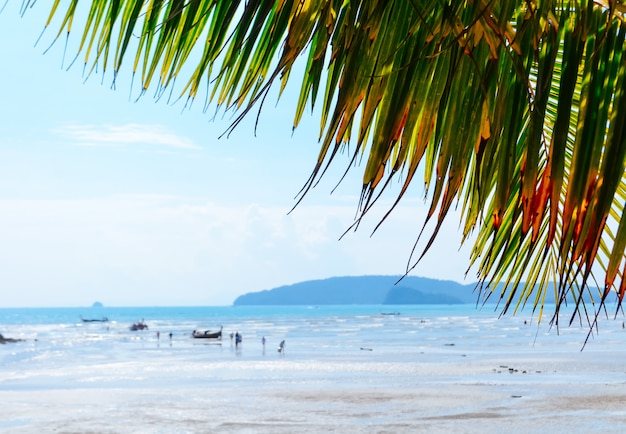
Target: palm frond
[[514, 109]]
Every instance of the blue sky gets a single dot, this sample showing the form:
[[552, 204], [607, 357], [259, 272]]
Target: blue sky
[[128, 202]]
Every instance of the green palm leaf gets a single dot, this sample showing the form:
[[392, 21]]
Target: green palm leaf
[[514, 109]]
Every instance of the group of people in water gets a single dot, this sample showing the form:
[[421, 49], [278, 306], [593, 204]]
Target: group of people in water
[[159, 335], [239, 338]]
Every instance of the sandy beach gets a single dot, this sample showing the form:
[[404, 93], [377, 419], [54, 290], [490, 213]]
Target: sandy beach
[[486, 408], [520, 391], [465, 408], [344, 370]]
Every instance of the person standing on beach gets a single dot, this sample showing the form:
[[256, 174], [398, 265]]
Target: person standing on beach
[[263, 341]]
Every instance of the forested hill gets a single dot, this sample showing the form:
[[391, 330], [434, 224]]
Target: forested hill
[[364, 290]]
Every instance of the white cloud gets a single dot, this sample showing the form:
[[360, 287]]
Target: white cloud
[[160, 250], [125, 135]]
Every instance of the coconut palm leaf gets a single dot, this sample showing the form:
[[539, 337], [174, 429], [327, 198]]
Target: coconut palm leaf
[[514, 109]]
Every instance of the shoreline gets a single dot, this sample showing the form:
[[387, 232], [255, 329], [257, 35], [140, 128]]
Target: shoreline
[[468, 408], [478, 393], [432, 372]]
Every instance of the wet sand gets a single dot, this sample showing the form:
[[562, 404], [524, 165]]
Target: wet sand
[[470, 408], [523, 391]]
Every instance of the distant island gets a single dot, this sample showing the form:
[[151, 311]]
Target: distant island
[[364, 290], [97, 304], [377, 290]]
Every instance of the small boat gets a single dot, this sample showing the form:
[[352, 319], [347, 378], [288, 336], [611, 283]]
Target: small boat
[[139, 326], [103, 319], [4, 340], [207, 334]]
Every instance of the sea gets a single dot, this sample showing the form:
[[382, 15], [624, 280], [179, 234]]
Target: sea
[[349, 368]]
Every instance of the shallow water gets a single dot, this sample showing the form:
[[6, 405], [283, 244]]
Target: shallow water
[[344, 369]]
